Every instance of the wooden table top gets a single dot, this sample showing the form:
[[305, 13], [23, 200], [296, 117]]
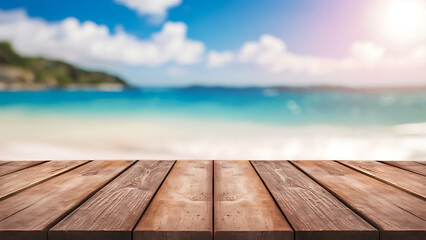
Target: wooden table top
[[173, 200]]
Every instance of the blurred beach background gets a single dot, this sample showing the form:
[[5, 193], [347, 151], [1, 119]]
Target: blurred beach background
[[212, 123], [213, 79]]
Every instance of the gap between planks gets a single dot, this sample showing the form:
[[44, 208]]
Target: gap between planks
[[18, 181], [397, 214], [38, 208], [407, 181], [115, 209], [182, 207], [15, 166], [412, 166], [311, 210], [244, 209], [213, 225]]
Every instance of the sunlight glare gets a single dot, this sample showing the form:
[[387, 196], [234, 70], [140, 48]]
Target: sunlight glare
[[404, 20]]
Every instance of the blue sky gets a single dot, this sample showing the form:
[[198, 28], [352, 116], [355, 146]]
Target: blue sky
[[232, 22], [222, 42]]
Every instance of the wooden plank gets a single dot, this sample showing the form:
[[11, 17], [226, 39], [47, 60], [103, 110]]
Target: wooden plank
[[397, 214], [3, 162], [18, 181], [14, 166], [30, 213], [182, 208], [243, 207], [415, 167], [310, 209], [405, 180], [113, 212]]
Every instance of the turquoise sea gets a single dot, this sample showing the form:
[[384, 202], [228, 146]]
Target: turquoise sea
[[258, 105], [213, 123]]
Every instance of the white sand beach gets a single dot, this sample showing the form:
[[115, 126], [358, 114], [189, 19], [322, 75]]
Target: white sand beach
[[26, 137]]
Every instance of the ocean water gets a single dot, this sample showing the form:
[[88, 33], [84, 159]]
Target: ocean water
[[213, 123], [265, 106]]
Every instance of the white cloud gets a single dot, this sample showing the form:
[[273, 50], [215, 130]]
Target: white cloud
[[93, 44], [271, 53], [367, 51], [367, 64], [268, 48], [154, 8], [218, 59]]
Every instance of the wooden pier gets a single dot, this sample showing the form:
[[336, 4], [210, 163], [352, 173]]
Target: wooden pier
[[250, 200]]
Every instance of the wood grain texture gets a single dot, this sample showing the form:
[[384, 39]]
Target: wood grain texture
[[397, 214], [311, 210], [30, 213], [412, 166], [113, 212], [3, 162], [18, 181], [243, 207], [182, 208], [405, 180], [14, 166]]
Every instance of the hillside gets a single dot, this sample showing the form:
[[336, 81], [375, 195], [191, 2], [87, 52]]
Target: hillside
[[17, 72]]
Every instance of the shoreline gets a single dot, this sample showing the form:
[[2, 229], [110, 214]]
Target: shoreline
[[54, 137], [120, 87]]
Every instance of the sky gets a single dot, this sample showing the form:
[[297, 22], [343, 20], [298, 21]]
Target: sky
[[363, 43]]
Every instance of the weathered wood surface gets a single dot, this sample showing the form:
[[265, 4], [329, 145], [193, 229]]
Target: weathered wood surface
[[405, 180], [113, 212], [30, 213], [310, 209], [14, 166], [397, 214], [18, 181], [412, 166], [3, 162], [243, 207], [182, 208], [202, 200]]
